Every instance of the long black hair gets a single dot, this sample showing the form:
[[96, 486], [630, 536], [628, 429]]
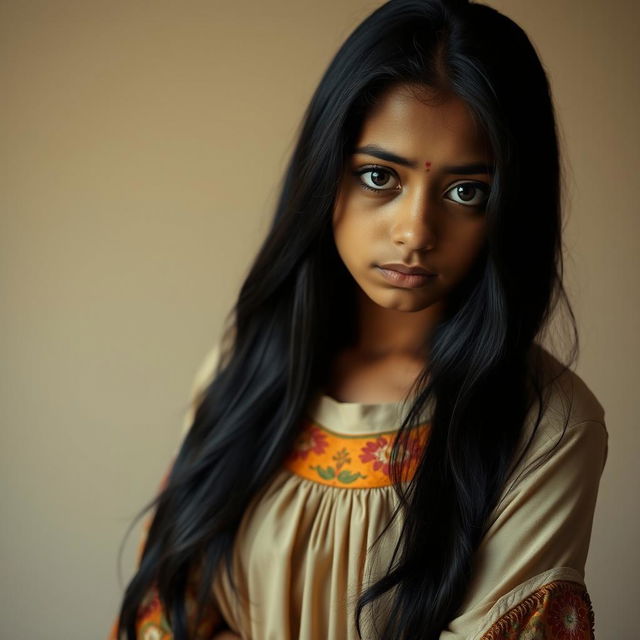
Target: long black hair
[[284, 329]]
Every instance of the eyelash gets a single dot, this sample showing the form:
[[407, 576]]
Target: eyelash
[[480, 186]]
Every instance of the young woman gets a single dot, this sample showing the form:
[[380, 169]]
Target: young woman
[[380, 448]]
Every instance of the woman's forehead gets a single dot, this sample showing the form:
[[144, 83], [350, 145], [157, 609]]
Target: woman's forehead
[[423, 123]]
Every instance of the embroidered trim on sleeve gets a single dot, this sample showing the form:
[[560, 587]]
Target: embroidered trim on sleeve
[[151, 621], [559, 610]]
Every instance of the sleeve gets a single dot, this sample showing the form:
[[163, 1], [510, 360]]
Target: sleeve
[[203, 377], [152, 621], [528, 573]]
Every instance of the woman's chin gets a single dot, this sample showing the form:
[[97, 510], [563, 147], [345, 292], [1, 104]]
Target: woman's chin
[[405, 300]]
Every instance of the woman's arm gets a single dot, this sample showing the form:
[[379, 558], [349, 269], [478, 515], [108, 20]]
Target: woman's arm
[[152, 621], [528, 576], [152, 618]]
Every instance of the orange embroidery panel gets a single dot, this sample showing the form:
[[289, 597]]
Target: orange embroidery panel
[[560, 610], [354, 462], [151, 623]]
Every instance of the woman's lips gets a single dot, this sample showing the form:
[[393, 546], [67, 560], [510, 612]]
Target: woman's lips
[[405, 268], [405, 280]]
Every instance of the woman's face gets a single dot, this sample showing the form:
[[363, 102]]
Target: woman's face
[[413, 195]]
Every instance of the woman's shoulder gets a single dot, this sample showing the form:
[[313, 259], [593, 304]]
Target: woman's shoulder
[[530, 562], [204, 374], [572, 418], [569, 400]]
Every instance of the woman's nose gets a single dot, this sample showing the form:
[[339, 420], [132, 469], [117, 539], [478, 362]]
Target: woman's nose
[[413, 225]]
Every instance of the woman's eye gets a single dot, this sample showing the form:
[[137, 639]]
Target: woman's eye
[[377, 179], [473, 194]]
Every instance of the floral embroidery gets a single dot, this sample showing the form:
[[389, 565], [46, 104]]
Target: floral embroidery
[[560, 610], [152, 624], [310, 440], [339, 460], [151, 631], [378, 453], [569, 616]]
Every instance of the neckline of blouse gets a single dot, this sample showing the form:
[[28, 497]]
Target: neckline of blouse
[[355, 418]]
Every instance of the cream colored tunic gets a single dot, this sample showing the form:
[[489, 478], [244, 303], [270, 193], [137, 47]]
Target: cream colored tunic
[[302, 552]]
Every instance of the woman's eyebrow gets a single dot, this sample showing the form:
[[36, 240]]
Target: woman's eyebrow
[[469, 169], [378, 152], [462, 169]]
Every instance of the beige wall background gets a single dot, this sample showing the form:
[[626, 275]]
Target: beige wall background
[[143, 143]]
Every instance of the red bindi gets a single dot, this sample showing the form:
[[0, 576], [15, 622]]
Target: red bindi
[[427, 165]]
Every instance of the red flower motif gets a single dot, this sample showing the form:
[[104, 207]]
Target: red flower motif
[[569, 617], [377, 452], [311, 439], [150, 605]]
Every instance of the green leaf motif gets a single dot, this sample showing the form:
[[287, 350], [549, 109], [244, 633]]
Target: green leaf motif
[[327, 473], [347, 476]]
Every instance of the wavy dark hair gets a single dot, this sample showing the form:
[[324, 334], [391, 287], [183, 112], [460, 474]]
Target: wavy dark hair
[[288, 324]]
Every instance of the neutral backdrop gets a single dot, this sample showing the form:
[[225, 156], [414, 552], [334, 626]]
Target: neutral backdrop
[[142, 148]]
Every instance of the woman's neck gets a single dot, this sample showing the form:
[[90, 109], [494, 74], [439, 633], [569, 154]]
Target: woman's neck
[[387, 332], [387, 357]]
